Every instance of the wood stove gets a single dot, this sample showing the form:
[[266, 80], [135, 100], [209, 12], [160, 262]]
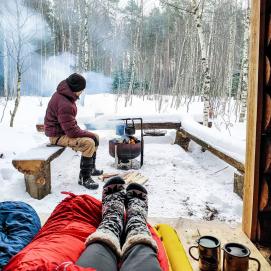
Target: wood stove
[[127, 148]]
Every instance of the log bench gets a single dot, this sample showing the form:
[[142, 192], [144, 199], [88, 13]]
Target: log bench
[[183, 138], [35, 165]]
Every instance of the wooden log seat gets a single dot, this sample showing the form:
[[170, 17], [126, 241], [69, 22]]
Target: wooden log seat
[[35, 165], [223, 156], [265, 198]]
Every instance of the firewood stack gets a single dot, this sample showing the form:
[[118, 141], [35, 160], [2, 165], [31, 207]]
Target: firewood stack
[[264, 215]]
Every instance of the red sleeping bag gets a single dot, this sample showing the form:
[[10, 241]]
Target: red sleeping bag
[[60, 241]]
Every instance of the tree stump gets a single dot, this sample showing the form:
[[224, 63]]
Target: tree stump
[[238, 186], [182, 140], [38, 186]]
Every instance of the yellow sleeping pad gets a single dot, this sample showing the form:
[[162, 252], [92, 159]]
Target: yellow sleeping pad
[[174, 248], [160, 236]]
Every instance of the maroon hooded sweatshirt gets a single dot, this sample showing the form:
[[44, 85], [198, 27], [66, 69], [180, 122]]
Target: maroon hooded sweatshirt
[[60, 114]]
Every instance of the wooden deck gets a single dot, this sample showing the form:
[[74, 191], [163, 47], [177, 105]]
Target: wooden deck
[[189, 230]]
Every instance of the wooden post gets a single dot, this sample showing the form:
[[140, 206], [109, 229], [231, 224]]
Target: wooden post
[[39, 186], [182, 140], [254, 119], [238, 186]]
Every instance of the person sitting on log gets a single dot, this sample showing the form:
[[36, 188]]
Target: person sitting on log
[[103, 250], [62, 129]]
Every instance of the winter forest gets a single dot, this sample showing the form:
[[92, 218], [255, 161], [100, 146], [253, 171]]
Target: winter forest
[[166, 51]]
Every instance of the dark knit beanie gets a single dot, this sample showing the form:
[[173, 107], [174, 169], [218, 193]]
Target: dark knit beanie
[[76, 82]]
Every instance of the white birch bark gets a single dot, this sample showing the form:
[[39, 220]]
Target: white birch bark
[[133, 63], [230, 62], [79, 39], [51, 6], [86, 37], [5, 64], [244, 86], [231, 52], [86, 61], [204, 62]]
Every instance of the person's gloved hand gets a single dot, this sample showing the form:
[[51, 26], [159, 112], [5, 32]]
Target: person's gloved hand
[[96, 141]]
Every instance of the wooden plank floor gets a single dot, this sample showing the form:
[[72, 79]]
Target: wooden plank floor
[[190, 230]]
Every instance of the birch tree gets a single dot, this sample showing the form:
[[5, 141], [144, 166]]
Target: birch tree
[[244, 68], [197, 13]]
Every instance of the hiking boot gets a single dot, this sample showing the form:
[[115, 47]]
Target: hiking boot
[[85, 173], [87, 182], [136, 230], [94, 171], [111, 227]]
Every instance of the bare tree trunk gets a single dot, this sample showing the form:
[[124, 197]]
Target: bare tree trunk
[[79, 39], [5, 64], [175, 93], [17, 100], [153, 68], [86, 63], [204, 62], [133, 63], [244, 68], [231, 47], [4, 109]]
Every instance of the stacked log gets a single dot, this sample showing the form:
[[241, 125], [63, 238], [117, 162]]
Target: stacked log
[[265, 199], [264, 215]]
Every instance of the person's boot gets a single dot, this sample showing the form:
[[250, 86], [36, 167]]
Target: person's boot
[[136, 230], [111, 227], [85, 173], [94, 171]]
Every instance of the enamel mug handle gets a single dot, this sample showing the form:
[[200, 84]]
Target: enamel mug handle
[[190, 253], [257, 261]]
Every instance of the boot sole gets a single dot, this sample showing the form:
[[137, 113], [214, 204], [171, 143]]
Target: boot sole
[[90, 186], [92, 174]]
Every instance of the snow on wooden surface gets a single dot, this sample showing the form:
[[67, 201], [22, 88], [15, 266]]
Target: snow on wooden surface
[[42, 152], [232, 147]]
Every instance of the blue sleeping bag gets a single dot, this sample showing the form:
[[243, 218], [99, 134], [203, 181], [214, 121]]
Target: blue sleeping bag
[[19, 223]]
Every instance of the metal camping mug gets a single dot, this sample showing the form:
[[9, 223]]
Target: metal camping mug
[[209, 253], [236, 258]]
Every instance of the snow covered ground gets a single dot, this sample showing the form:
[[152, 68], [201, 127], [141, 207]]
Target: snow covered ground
[[181, 184]]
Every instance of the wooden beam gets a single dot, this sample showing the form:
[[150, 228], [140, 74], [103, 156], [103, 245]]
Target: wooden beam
[[159, 125], [254, 119], [149, 125], [145, 125], [231, 161]]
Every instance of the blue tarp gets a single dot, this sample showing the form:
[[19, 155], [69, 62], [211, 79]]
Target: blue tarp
[[19, 223]]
